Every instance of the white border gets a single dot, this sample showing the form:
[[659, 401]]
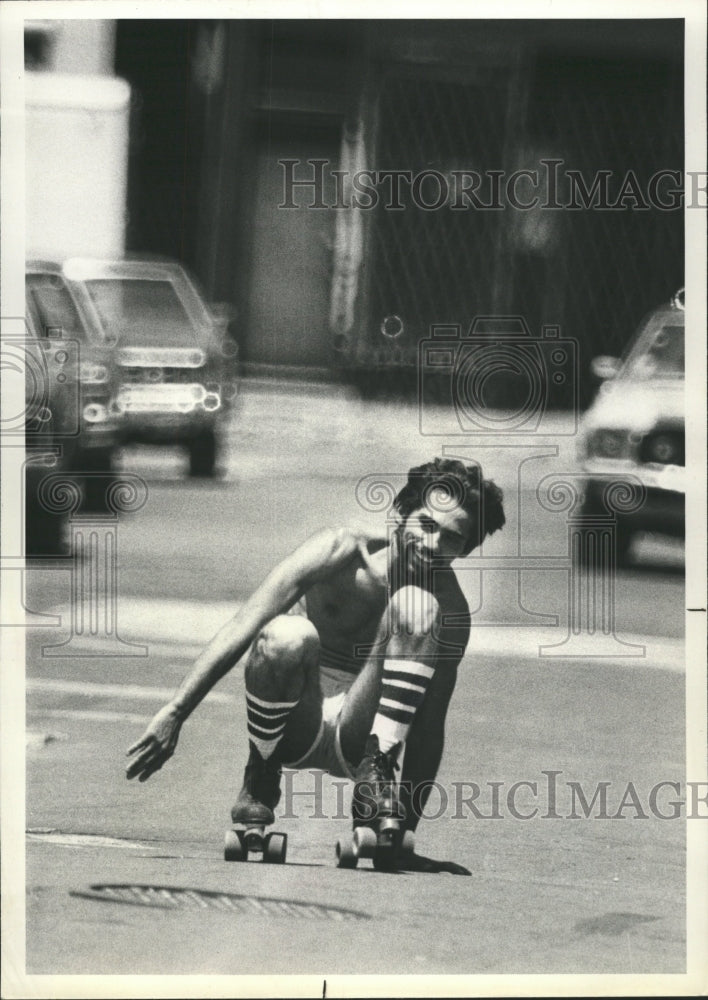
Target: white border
[[15, 984]]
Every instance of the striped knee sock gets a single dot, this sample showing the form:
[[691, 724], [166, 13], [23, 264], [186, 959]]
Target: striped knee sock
[[403, 689], [266, 722]]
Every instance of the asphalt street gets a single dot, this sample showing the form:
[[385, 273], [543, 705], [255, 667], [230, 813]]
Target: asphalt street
[[129, 878]]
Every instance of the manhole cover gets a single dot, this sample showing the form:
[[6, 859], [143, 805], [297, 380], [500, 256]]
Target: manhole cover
[[171, 898]]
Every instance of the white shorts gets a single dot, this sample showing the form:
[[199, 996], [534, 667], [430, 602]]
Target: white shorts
[[326, 751]]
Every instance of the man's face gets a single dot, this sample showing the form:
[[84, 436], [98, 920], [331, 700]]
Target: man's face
[[435, 534]]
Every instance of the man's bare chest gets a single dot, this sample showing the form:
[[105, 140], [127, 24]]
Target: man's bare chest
[[347, 604]]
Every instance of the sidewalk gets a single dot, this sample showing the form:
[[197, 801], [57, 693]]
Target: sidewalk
[[340, 411], [338, 431]]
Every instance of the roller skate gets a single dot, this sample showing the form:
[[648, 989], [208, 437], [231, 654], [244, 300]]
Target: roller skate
[[253, 812], [377, 812]]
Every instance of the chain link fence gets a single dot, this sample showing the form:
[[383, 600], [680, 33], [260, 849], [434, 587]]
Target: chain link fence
[[451, 242]]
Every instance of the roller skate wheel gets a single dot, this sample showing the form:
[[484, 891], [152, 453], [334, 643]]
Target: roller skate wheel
[[253, 839], [346, 855], [275, 848], [233, 847], [364, 841]]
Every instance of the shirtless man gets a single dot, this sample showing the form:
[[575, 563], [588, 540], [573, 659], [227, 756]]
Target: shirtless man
[[354, 646]]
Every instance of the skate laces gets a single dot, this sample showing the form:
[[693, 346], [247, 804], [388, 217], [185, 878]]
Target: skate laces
[[385, 766]]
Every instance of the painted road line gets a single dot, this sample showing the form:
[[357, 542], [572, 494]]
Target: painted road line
[[180, 629], [492, 643], [156, 649], [131, 691], [192, 623], [497, 642], [86, 840], [86, 715]]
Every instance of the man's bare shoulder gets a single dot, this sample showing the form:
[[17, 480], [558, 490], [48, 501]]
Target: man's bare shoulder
[[332, 548], [370, 548], [373, 538]]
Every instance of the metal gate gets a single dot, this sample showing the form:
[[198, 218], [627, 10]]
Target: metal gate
[[426, 254]]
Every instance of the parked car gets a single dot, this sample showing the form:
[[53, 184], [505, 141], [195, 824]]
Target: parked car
[[636, 426], [174, 358], [71, 381]]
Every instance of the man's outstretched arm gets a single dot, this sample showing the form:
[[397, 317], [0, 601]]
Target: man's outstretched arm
[[312, 561], [424, 750], [424, 746]]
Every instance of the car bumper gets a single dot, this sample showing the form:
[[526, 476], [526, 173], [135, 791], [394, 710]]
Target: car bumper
[[165, 428], [100, 437], [653, 476], [167, 412], [663, 510]]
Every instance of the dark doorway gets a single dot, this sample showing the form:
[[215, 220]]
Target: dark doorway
[[155, 57]]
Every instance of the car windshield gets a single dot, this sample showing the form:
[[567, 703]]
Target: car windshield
[[141, 313], [659, 353], [54, 307]]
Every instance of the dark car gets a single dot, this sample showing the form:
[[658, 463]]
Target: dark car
[[636, 426], [71, 423], [174, 358]]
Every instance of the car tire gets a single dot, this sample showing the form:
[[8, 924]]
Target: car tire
[[45, 531], [592, 506], [623, 543], [202, 454]]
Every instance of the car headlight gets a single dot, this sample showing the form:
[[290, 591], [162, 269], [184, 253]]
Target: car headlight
[[212, 401], [93, 373], [95, 413], [609, 444], [663, 448]]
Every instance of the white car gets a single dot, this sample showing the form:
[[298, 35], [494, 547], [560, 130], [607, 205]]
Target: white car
[[635, 427]]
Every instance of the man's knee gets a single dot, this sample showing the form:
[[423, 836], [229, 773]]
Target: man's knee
[[288, 641], [414, 612]]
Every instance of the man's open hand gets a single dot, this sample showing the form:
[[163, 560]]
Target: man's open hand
[[417, 863], [156, 745]]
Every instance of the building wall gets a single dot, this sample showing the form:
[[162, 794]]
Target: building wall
[[76, 143], [218, 103], [490, 98], [282, 95], [76, 46]]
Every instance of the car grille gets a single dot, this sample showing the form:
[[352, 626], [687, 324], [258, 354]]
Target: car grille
[[142, 375]]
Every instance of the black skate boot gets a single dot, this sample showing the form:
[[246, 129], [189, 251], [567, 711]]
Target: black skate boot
[[377, 812], [253, 812], [260, 793], [375, 795]]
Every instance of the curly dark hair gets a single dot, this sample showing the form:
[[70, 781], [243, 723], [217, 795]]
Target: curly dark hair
[[457, 483]]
